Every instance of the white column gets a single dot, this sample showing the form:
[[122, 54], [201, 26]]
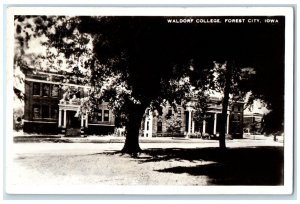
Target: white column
[[189, 122], [65, 119], [215, 123], [227, 124], [59, 118], [150, 124], [81, 120], [86, 120], [145, 126], [193, 126], [204, 127]]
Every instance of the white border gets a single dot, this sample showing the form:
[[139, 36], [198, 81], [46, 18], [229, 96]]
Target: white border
[[148, 11]]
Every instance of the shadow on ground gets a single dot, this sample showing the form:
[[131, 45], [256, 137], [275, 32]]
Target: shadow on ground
[[233, 166]]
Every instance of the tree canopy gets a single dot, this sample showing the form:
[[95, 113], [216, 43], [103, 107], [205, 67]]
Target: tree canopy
[[146, 60]]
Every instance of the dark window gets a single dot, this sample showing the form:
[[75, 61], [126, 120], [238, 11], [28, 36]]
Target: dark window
[[45, 111], [92, 119], [54, 112], [179, 112], [240, 109], [54, 92], [99, 115], [106, 115], [237, 117], [36, 89], [235, 109], [159, 126], [170, 111], [78, 94], [36, 111], [46, 90]]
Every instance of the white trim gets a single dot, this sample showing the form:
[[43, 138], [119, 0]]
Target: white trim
[[41, 81], [100, 124], [51, 82], [38, 121], [68, 106], [214, 112]]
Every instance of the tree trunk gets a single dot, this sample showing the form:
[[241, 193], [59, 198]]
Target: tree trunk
[[135, 117], [228, 77]]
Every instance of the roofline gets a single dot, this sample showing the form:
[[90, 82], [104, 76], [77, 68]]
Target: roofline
[[51, 82]]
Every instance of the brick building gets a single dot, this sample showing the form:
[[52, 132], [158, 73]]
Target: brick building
[[52, 107], [158, 125]]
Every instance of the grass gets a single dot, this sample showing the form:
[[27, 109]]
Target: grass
[[69, 165]]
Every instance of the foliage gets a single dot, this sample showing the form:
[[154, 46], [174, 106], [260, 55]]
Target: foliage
[[174, 123]]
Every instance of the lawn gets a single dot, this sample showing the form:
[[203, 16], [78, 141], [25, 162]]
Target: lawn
[[160, 164]]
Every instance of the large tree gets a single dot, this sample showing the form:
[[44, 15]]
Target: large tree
[[259, 46], [137, 62]]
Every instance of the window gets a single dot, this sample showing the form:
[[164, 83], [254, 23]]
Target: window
[[54, 112], [45, 111], [36, 111], [235, 109], [159, 126], [36, 89], [179, 112], [106, 115], [240, 109], [170, 111], [46, 90], [237, 117], [54, 92], [99, 115], [78, 94]]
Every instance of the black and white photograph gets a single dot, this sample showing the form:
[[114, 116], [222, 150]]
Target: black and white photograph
[[150, 101]]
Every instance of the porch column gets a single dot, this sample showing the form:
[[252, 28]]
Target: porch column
[[150, 124], [82, 127], [145, 127], [227, 124], [86, 120], [59, 118], [63, 129], [193, 126], [189, 122], [65, 119], [204, 127], [81, 124], [215, 123]]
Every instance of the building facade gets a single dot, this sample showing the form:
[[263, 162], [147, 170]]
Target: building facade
[[253, 123], [182, 123], [52, 107]]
